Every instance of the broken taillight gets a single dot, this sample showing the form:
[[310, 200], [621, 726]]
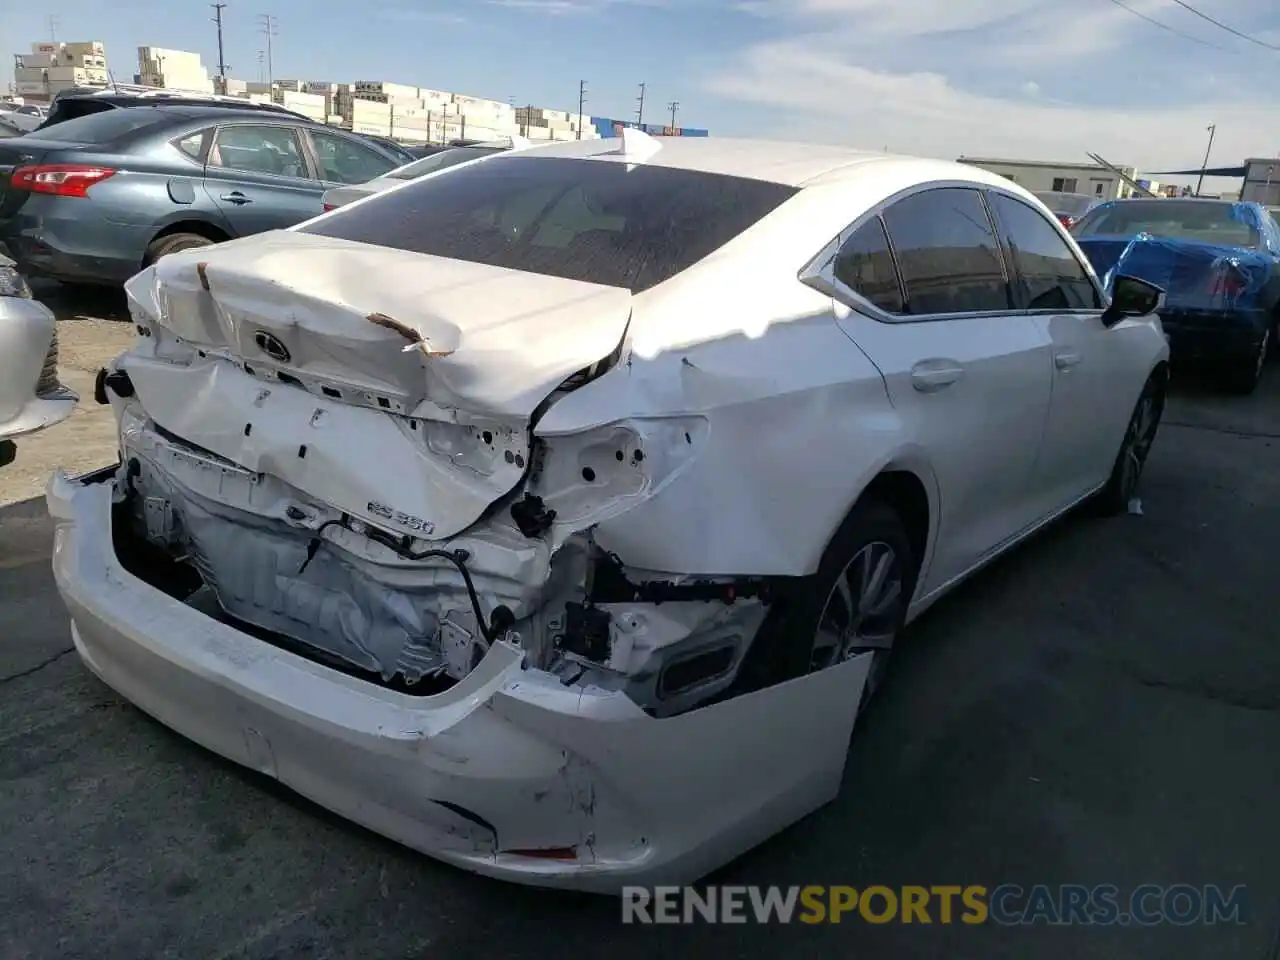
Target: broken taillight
[[1066, 221], [329, 206]]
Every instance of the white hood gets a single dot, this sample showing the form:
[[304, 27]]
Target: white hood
[[492, 340]]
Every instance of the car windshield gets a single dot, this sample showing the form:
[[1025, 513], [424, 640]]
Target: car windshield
[[630, 226], [105, 126], [1072, 204], [441, 161], [1201, 220]]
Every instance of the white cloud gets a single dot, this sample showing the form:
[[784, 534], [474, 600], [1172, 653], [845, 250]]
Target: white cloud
[[940, 77]]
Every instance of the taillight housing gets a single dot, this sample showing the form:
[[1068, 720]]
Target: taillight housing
[[58, 179], [1227, 282], [1066, 221], [329, 206]]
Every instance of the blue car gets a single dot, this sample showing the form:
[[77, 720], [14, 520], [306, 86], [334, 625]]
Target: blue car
[[97, 198], [1217, 261]]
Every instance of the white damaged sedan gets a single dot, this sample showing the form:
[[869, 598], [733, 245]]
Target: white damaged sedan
[[553, 516], [31, 396]]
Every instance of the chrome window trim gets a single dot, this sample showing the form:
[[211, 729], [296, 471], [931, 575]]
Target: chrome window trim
[[819, 272]]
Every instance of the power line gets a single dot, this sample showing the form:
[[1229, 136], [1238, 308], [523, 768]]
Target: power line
[[1231, 30], [1165, 26]]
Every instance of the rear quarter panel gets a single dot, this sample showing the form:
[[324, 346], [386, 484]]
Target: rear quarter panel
[[798, 418]]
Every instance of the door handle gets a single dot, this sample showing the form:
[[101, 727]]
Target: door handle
[[930, 376], [235, 197], [1065, 361]]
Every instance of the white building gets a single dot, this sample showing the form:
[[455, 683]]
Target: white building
[[1262, 181], [173, 70], [55, 66], [1090, 179]]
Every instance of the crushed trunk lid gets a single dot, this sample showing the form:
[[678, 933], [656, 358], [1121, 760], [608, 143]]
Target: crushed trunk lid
[[394, 386]]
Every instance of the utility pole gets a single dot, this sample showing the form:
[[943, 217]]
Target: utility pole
[[528, 120], [1205, 166], [54, 24], [270, 27], [261, 59], [160, 61], [640, 108], [582, 99], [673, 106], [222, 66]]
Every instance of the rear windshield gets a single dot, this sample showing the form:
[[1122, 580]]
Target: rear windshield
[[1071, 204], [1200, 220], [105, 126], [441, 160], [598, 221]]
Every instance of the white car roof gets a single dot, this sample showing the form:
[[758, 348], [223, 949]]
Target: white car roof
[[779, 161]]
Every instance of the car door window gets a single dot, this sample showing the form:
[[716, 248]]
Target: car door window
[[269, 149], [947, 253], [865, 265], [1049, 275], [342, 161]]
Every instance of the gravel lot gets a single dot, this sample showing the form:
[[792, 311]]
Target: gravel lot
[[1101, 708]]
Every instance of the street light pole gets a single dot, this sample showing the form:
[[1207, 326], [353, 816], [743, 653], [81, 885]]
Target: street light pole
[[1205, 166]]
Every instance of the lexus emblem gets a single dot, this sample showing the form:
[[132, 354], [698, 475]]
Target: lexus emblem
[[271, 346]]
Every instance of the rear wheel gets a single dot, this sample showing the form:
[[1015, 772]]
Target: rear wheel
[[172, 243], [8, 451], [1243, 376], [855, 603]]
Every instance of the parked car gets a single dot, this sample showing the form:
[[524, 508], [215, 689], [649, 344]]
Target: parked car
[[95, 199], [1218, 261], [406, 154], [431, 163], [82, 101], [31, 397], [1067, 207], [553, 515]]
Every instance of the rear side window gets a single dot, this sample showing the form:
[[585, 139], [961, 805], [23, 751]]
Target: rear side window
[[865, 265], [106, 126], [592, 220], [948, 256], [1049, 275]]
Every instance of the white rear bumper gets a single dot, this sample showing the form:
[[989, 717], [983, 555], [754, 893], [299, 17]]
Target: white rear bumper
[[506, 760]]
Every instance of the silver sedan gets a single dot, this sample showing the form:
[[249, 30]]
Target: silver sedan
[[31, 396]]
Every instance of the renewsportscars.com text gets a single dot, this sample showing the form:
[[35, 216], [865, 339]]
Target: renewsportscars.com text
[[1006, 905]]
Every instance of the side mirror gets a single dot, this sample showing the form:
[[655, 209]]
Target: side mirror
[[1131, 297]]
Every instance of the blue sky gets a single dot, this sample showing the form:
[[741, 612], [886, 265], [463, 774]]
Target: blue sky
[[1026, 78]]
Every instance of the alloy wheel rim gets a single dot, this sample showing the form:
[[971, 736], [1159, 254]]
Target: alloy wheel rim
[[1137, 444], [858, 616]]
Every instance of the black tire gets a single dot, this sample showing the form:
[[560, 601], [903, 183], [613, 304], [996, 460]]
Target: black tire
[[785, 646], [172, 244], [1242, 378], [1135, 447], [8, 452]]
